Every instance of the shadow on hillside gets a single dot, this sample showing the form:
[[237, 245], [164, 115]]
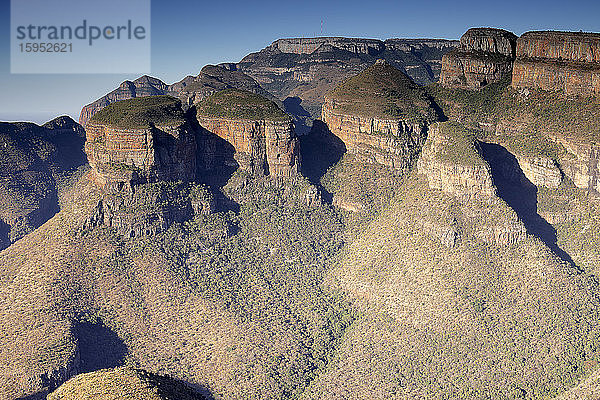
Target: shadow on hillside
[[215, 162], [521, 195], [320, 150], [99, 347], [292, 106]]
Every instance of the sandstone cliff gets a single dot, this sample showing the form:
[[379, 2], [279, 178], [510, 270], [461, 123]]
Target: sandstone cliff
[[380, 115], [565, 61], [451, 161], [262, 136], [485, 55], [141, 140]]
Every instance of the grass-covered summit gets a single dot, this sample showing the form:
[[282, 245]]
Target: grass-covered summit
[[383, 91], [141, 112], [240, 104]]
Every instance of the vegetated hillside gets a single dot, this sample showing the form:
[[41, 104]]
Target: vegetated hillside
[[475, 317], [233, 303], [240, 104], [123, 383], [35, 163], [141, 112]]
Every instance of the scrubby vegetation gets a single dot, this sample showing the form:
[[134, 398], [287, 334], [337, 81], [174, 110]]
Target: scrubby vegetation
[[240, 104], [141, 112], [385, 92]]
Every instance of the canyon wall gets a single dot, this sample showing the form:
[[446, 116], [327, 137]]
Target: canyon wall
[[391, 142], [262, 147], [485, 55], [141, 155], [565, 61], [309, 45]]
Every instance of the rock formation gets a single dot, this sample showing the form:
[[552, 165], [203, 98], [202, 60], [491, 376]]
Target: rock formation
[[485, 55], [380, 115], [35, 161], [565, 61], [142, 86], [189, 90], [451, 162], [308, 68], [141, 140], [261, 135]]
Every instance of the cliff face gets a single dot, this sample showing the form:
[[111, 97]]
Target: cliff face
[[261, 136], [462, 175], [565, 61], [309, 45], [261, 147], [484, 56], [380, 116], [153, 150], [391, 142], [451, 162]]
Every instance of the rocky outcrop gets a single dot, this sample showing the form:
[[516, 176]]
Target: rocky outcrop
[[149, 208], [465, 175], [390, 142], [541, 171], [262, 136], [389, 128], [142, 86], [485, 55], [564, 61], [152, 141]]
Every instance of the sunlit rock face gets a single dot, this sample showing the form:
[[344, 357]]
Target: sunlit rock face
[[564, 61], [484, 56]]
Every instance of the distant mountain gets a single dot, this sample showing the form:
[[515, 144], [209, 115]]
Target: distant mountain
[[190, 89], [303, 70]]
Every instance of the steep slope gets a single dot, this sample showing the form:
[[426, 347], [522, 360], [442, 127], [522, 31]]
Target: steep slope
[[35, 162], [450, 309]]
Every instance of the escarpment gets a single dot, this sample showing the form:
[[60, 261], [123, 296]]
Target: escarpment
[[564, 61], [485, 55], [141, 140], [143, 154], [261, 136], [380, 116]]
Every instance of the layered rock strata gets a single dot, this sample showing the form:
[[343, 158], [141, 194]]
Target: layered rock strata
[[451, 162], [380, 116], [564, 61], [141, 140], [485, 55], [261, 135]]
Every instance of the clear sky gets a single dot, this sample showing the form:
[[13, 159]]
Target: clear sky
[[186, 35]]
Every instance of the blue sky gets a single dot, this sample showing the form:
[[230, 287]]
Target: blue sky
[[186, 35]]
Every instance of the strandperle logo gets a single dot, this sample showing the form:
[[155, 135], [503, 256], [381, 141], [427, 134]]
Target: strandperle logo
[[80, 36], [90, 33]]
